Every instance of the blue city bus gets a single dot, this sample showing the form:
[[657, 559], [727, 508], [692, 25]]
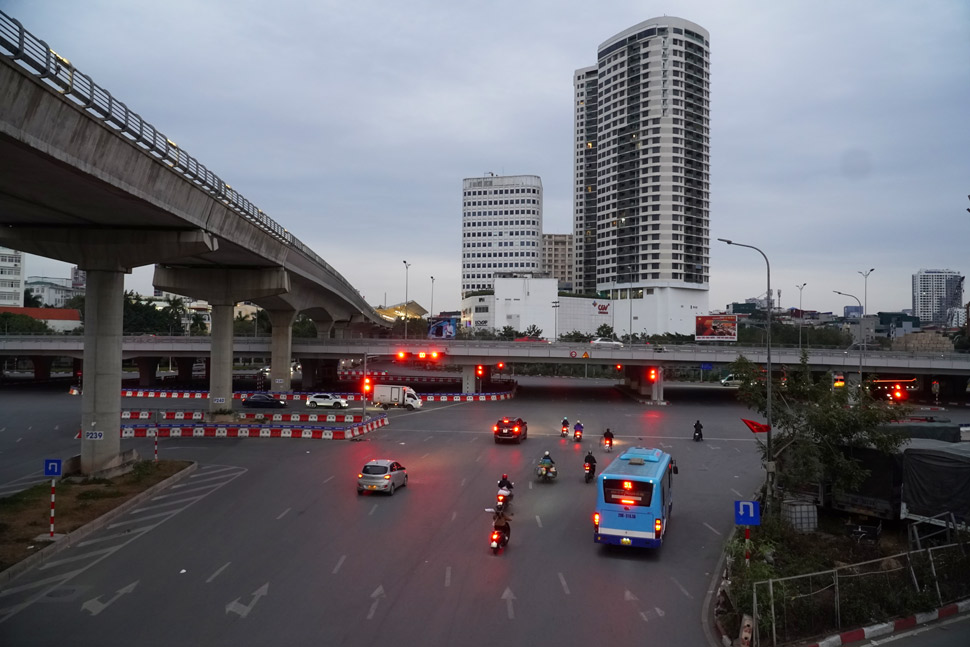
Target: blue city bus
[[634, 498]]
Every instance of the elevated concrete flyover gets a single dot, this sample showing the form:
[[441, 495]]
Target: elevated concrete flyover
[[85, 180]]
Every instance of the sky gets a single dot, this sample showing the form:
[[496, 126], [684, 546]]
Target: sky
[[839, 130]]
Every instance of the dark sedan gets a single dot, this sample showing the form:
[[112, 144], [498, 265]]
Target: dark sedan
[[263, 401], [515, 429]]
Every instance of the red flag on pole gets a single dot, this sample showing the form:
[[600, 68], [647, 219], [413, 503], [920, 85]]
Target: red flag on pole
[[756, 427]]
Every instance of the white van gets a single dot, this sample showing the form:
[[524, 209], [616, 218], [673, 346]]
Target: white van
[[730, 380]]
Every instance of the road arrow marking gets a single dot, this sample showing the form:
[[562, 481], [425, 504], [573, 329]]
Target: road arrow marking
[[376, 596], [660, 612], [644, 616], [508, 596], [96, 606], [243, 610], [216, 574], [629, 597]]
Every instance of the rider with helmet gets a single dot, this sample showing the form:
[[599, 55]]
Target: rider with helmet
[[578, 427], [590, 460], [608, 437], [546, 460], [505, 482]]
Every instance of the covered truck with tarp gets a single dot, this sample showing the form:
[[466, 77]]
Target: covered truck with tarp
[[936, 480]]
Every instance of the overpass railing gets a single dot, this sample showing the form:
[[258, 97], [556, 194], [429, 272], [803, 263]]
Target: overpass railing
[[37, 58]]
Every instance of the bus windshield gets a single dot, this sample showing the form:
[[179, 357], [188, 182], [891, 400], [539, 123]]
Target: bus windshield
[[627, 492]]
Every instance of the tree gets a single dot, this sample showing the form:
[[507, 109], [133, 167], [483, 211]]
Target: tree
[[813, 423], [574, 336], [197, 325], [32, 300], [533, 331], [605, 330], [11, 323], [508, 333], [75, 303], [304, 327], [174, 311]]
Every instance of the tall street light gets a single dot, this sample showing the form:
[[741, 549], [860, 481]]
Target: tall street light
[[865, 297], [770, 466], [629, 297], [801, 316], [432, 297], [555, 305], [861, 348], [407, 266]]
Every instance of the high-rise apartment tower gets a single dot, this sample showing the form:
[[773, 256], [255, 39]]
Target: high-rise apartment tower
[[935, 293], [501, 228], [641, 157], [11, 278], [557, 258]]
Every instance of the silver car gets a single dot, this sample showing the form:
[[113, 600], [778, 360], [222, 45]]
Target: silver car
[[326, 400], [606, 341], [381, 475]]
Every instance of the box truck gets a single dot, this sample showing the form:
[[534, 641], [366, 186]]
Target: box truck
[[392, 395]]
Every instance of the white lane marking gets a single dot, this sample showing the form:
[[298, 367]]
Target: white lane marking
[[169, 496], [712, 529], [454, 514], [206, 471], [328, 479], [736, 492], [376, 596], [447, 576], [76, 558], [242, 610], [508, 596], [660, 612], [463, 483], [425, 455], [530, 485], [713, 447], [340, 562], [478, 458], [428, 438], [19, 439], [644, 616], [737, 450], [94, 606], [682, 589], [562, 580], [375, 508], [39, 583], [149, 517], [88, 542], [190, 499], [283, 514], [216, 477], [539, 521], [216, 574]]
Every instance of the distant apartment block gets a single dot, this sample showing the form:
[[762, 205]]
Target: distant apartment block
[[11, 278], [936, 293], [53, 292], [557, 258], [501, 228]]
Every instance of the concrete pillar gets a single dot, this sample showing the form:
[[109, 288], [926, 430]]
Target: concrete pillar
[[184, 366], [469, 381], [281, 348], [42, 367], [147, 370], [220, 368], [311, 373], [341, 330], [101, 397]]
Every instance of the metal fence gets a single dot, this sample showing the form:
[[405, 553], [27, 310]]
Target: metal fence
[[37, 58], [816, 604]]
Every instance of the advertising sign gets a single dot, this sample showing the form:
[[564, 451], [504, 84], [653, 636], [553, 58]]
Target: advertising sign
[[716, 328], [442, 328], [602, 308]]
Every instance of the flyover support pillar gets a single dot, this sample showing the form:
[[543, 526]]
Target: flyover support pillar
[[220, 368], [101, 396], [42, 367], [468, 379], [281, 348], [184, 366], [147, 370]]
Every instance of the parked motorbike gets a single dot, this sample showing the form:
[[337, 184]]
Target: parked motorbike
[[589, 469], [546, 472]]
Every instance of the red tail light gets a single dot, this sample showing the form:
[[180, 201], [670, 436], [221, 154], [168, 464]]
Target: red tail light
[[496, 536], [657, 527], [586, 466], [387, 477], [596, 519], [495, 428], [501, 498], [515, 429]]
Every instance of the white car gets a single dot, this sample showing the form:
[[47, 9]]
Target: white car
[[326, 400], [606, 341]]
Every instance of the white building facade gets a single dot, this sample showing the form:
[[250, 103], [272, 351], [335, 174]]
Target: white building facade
[[52, 291], [501, 228], [936, 293], [522, 302], [11, 278], [641, 179]]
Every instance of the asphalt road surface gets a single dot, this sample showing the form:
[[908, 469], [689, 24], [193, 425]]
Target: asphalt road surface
[[267, 542]]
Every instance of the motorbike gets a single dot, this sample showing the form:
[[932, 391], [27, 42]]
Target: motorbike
[[504, 497], [499, 540], [589, 469], [578, 435], [565, 431], [546, 472], [698, 435], [608, 444]]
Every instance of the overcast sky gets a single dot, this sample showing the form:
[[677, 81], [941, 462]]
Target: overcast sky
[[839, 130]]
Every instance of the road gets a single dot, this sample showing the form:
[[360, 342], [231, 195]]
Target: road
[[267, 542]]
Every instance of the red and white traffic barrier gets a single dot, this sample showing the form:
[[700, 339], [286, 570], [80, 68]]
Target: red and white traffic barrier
[[467, 397], [248, 431], [893, 626], [297, 396], [346, 374], [302, 417]]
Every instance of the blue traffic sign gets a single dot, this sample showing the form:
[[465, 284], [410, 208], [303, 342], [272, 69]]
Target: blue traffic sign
[[747, 513], [52, 467], [707, 366]]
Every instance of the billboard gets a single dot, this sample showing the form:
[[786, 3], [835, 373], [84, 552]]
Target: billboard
[[716, 328], [442, 328]]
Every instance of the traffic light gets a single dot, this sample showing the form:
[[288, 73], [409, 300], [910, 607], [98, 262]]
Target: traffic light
[[500, 365], [480, 370], [366, 386], [652, 374], [619, 367]]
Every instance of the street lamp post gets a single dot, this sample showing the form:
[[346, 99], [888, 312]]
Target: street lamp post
[[770, 466], [407, 266], [555, 305], [801, 315], [861, 347], [865, 299], [432, 297], [629, 297]]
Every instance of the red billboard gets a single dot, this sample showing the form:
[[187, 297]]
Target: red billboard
[[716, 328]]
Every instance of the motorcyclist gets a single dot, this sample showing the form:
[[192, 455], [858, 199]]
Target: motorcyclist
[[506, 484], [608, 436], [546, 460], [578, 427], [501, 516], [565, 422], [699, 430], [591, 460]]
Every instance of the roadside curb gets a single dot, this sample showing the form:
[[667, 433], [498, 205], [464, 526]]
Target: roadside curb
[[71, 538], [893, 626]]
